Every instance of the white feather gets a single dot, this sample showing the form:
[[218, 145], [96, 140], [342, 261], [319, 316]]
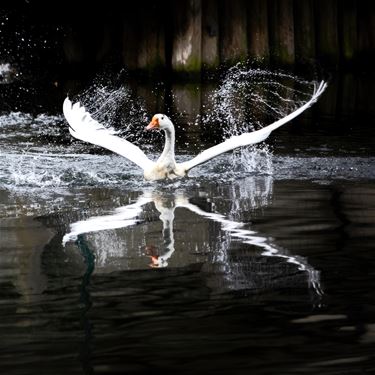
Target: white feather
[[253, 137], [83, 127]]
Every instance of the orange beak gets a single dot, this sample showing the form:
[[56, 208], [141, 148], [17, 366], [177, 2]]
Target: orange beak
[[154, 124]]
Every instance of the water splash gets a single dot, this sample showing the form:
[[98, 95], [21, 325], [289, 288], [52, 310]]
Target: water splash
[[15, 118], [22, 127], [115, 106], [24, 44], [38, 152], [254, 159], [249, 99], [7, 73]]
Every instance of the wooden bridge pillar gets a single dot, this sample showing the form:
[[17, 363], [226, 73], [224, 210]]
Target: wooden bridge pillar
[[144, 37], [233, 32], [327, 42], [210, 34], [282, 32], [304, 31], [187, 36], [151, 49], [258, 38], [348, 30]]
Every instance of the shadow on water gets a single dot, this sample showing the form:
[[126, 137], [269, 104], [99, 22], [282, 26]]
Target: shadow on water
[[262, 259], [85, 300]]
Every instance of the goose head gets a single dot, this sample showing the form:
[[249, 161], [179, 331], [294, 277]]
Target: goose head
[[160, 121]]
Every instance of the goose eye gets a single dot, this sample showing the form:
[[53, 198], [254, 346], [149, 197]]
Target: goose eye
[[162, 117]]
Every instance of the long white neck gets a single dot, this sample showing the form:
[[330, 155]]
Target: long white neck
[[168, 152]]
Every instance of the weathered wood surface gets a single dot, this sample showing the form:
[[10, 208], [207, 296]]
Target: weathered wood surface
[[191, 36], [233, 30], [187, 36], [348, 30], [210, 34], [327, 41], [304, 30], [282, 32], [258, 36]]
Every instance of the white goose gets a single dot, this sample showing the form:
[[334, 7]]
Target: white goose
[[82, 126]]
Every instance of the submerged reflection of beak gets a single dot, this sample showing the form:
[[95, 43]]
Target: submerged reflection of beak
[[151, 251], [154, 262], [154, 124]]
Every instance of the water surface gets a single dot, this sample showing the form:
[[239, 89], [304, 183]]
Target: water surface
[[260, 261]]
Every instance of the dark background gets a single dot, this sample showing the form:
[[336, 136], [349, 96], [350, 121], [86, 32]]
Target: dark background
[[65, 39]]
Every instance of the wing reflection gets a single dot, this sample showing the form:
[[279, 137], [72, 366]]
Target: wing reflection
[[166, 204], [122, 217]]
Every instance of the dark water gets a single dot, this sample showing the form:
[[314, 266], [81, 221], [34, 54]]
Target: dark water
[[261, 262]]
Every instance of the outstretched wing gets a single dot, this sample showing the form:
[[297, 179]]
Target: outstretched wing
[[82, 126], [251, 138]]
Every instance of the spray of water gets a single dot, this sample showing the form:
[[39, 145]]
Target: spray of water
[[39, 156], [38, 151], [248, 99], [115, 106]]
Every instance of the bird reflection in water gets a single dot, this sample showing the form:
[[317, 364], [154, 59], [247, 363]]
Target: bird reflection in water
[[166, 206], [234, 273]]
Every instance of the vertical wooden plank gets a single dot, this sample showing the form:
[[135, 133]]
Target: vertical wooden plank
[[130, 38], [144, 37], [210, 34], [282, 32], [258, 39], [72, 47], [348, 30], [187, 36], [347, 95], [187, 103], [101, 34], [304, 31], [327, 31], [365, 93], [366, 33], [233, 31], [210, 130], [327, 105], [151, 47]]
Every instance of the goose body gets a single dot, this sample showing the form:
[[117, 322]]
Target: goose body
[[83, 127]]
